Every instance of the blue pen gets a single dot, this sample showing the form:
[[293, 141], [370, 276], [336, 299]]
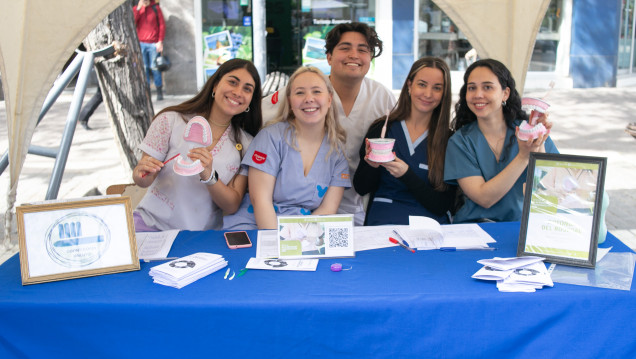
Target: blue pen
[[455, 249], [402, 239]]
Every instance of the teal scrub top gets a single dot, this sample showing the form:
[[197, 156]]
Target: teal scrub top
[[468, 154]]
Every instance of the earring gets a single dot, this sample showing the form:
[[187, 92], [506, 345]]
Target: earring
[[247, 109], [212, 94], [503, 103]]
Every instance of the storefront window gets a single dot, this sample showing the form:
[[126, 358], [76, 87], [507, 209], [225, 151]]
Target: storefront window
[[626, 58], [296, 30], [545, 48], [226, 32], [438, 36], [314, 19]]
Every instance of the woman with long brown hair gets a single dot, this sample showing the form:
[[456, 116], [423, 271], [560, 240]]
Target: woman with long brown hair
[[208, 135], [484, 156], [413, 182]]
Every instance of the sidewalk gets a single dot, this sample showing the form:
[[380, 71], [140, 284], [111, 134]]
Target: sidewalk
[[586, 122], [591, 122]]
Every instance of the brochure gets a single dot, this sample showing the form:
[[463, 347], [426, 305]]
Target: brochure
[[283, 264], [326, 236], [183, 271]]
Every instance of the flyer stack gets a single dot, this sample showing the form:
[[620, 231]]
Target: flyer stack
[[183, 271], [517, 274]]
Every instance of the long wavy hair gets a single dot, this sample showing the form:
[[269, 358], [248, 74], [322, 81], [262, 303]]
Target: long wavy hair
[[439, 127], [335, 133], [511, 111], [201, 104]]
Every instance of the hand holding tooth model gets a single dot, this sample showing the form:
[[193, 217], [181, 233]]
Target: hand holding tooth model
[[192, 153], [532, 129], [484, 156]]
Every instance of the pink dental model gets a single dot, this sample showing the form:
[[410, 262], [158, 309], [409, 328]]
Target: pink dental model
[[197, 132], [532, 130]]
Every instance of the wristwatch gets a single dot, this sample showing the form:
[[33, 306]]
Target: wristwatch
[[212, 180]]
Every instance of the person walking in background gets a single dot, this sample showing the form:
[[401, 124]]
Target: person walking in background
[[151, 30], [90, 107]]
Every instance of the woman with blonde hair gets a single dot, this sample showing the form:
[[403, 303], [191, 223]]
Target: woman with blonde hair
[[296, 164]]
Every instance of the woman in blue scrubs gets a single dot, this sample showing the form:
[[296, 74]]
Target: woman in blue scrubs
[[484, 156], [296, 163], [412, 183]]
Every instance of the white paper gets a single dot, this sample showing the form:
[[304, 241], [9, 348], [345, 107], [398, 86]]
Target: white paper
[[509, 263], [468, 235], [155, 245], [183, 271], [490, 273], [426, 233], [374, 237], [423, 233], [266, 244], [532, 274], [517, 274], [283, 264], [601, 252], [515, 287], [185, 281]]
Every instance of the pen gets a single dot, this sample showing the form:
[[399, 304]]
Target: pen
[[159, 259], [402, 238], [454, 249], [393, 240], [166, 161]]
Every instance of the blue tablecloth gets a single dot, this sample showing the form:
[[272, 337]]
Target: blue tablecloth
[[392, 303]]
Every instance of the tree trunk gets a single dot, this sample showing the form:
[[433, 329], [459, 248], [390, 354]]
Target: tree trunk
[[122, 80]]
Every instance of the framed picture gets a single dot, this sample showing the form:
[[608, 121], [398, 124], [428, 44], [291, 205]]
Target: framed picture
[[73, 239], [325, 236], [562, 208]]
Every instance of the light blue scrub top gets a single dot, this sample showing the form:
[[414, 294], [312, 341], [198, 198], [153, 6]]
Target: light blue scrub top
[[468, 154], [294, 193]]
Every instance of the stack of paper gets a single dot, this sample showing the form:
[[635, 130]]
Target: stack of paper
[[517, 274], [183, 271], [425, 233]]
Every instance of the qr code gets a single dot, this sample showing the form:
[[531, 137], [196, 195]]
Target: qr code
[[338, 237]]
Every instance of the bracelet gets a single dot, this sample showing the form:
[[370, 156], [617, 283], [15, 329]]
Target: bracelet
[[212, 180]]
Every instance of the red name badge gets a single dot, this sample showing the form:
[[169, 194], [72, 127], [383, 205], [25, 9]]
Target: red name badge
[[259, 157]]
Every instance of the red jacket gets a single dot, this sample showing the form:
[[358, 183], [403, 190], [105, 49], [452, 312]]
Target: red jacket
[[146, 23]]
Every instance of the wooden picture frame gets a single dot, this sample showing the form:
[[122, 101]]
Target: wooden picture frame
[[562, 208], [73, 239]]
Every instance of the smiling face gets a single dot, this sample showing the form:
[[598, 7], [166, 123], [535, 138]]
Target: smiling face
[[232, 94], [426, 91], [309, 99], [484, 94], [351, 57]]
